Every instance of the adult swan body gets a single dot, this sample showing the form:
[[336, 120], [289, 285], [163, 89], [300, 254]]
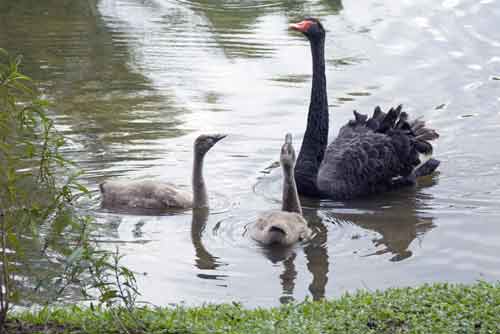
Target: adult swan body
[[369, 155]]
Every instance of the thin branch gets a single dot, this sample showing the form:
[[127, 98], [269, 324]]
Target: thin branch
[[4, 307]]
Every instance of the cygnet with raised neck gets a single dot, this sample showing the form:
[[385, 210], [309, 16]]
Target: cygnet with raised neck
[[288, 226], [154, 195]]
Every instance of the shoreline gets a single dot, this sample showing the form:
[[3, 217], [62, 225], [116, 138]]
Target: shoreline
[[429, 308]]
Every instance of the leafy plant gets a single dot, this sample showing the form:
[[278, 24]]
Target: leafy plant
[[45, 244], [28, 193], [38, 224]]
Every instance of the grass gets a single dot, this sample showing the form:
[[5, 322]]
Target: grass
[[439, 308]]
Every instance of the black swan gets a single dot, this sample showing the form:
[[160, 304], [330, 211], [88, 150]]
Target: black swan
[[285, 227], [160, 195], [369, 155]]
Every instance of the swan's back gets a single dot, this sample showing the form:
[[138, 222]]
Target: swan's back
[[369, 154], [280, 227], [144, 195]]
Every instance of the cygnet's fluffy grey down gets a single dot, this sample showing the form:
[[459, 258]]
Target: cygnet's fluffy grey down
[[285, 227], [144, 195], [161, 195]]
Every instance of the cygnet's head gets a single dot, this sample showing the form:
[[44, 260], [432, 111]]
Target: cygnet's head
[[287, 156], [310, 27], [204, 143]]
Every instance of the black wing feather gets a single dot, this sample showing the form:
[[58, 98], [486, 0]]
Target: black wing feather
[[369, 153]]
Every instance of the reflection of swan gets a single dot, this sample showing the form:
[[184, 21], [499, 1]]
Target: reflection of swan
[[398, 226], [158, 195], [316, 253], [286, 256], [368, 155], [284, 227], [204, 260]]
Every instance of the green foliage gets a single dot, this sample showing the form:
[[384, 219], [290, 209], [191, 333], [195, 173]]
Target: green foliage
[[45, 247], [30, 198], [440, 308], [38, 225]]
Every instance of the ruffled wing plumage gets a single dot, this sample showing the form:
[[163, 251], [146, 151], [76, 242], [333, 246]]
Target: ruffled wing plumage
[[371, 155]]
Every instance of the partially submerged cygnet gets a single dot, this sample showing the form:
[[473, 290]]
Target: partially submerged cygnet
[[154, 195], [284, 227]]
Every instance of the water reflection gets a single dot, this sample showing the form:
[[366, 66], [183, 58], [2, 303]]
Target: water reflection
[[399, 219], [231, 21], [108, 109], [285, 256], [204, 260], [397, 228], [316, 254], [288, 279]]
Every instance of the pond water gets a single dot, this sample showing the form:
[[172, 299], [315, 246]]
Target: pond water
[[135, 81]]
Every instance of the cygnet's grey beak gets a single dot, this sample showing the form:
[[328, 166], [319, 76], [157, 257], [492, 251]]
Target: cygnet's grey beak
[[219, 136]]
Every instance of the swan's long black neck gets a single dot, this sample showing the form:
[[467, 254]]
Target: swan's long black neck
[[316, 135]]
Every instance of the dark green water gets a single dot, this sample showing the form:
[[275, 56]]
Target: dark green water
[[134, 82]]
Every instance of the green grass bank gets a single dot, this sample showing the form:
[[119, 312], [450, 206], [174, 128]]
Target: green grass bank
[[438, 308]]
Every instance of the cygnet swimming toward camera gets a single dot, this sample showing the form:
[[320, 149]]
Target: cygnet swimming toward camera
[[287, 226]]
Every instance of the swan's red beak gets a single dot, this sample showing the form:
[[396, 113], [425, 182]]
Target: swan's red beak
[[302, 26]]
